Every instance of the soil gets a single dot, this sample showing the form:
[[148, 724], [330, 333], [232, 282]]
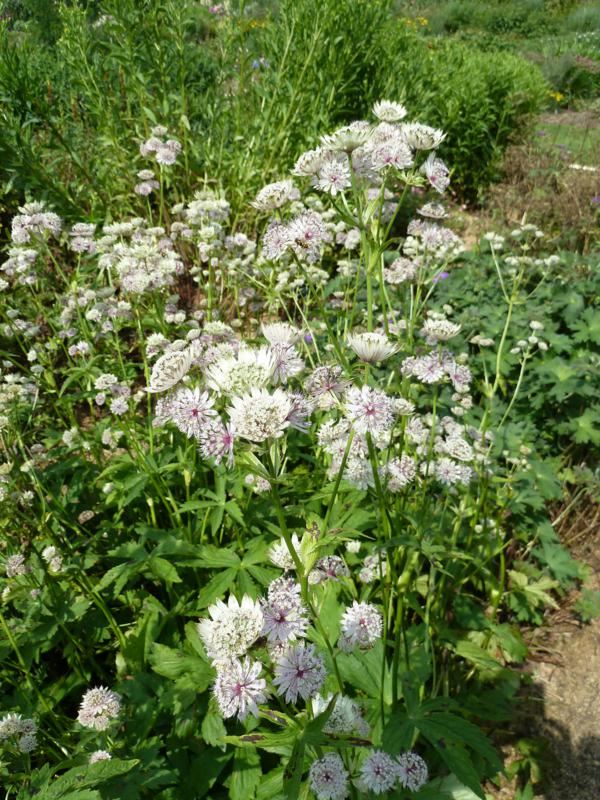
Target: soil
[[582, 119], [561, 706]]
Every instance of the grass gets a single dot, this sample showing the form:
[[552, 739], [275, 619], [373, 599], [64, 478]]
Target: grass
[[580, 138]]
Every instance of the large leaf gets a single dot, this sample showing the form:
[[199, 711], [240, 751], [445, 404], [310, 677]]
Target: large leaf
[[246, 774], [175, 663]]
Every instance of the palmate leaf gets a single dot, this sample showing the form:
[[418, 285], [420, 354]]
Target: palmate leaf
[[451, 735], [585, 428], [174, 664], [555, 556], [587, 326]]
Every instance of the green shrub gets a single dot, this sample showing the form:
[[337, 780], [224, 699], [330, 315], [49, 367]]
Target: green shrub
[[486, 101], [270, 79], [586, 19]]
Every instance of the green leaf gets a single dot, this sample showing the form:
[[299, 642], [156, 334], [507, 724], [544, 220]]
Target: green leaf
[[553, 554], [456, 758], [72, 784], [213, 729], [588, 605], [216, 587], [364, 671], [486, 665], [219, 557], [246, 774], [448, 787], [292, 773], [175, 663], [164, 570], [282, 741], [271, 786]]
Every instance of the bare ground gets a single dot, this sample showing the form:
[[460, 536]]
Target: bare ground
[[561, 706]]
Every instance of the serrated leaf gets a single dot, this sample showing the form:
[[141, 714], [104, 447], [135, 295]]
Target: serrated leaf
[[213, 729], [219, 557], [163, 570], [216, 587], [174, 664]]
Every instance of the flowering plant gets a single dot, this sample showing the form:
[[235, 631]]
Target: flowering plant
[[286, 423]]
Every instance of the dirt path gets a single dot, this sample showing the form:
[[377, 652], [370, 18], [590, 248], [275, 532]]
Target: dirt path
[[566, 690]]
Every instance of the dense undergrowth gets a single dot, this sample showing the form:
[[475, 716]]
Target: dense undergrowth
[[276, 462], [264, 83]]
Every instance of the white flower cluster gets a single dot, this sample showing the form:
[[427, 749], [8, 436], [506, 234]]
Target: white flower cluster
[[159, 146], [102, 310], [237, 380], [25, 730], [147, 183], [99, 706], [379, 773], [231, 630], [16, 391], [297, 669], [20, 267], [53, 558], [144, 258], [34, 222], [81, 238]]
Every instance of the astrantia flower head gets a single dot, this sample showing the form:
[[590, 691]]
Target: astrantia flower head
[[34, 221], [169, 369], [98, 707], [326, 385], [378, 773], [328, 778], [15, 565], [307, 234], [369, 410], [334, 175], [345, 718], [191, 411], [437, 173], [328, 568], [439, 330], [374, 568], [99, 755], [275, 195], [232, 628], [422, 137], [258, 415], [400, 271], [15, 725], [275, 241], [450, 473], [400, 472], [371, 347], [310, 162], [393, 153], [433, 211], [412, 771], [250, 368], [348, 138], [387, 111], [27, 743], [280, 555], [217, 440], [280, 333], [361, 627], [299, 672], [239, 688], [286, 362], [284, 613]]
